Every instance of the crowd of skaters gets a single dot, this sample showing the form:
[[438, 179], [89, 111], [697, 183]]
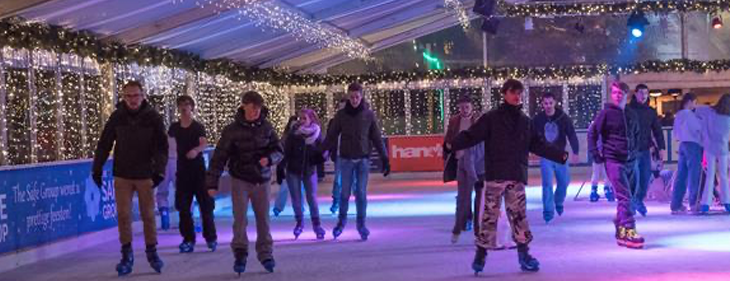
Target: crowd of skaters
[[485, 152]]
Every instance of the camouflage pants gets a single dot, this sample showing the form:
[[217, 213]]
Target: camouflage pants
[[489, 212]]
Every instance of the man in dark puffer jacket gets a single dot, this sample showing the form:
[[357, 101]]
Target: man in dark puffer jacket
[[508, 138], [358, 131], [137, 133], [250, 147], [617, 126]]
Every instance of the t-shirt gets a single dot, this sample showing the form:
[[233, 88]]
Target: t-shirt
[[187, 139]]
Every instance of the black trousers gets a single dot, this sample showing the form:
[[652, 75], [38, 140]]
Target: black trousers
[[191, 183]]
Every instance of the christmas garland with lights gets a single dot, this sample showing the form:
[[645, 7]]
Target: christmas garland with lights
[[19, 34], [609, 8]]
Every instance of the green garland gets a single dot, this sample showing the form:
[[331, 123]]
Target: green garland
[[17, 33], [610, 8], [537, 73]]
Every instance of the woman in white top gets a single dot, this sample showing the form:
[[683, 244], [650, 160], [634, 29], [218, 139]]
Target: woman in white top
[[688, 132], [715, 140]]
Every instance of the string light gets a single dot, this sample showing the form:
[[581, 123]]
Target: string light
[[273, 16], [456, 8], [608, 7]]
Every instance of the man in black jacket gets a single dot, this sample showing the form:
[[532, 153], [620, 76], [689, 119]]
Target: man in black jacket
[[557, 129], [508, 138], [250, 146], [357, 130], [617, 127], [137, 134], [649, 126]]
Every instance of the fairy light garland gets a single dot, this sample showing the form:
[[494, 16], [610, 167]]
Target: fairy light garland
[[271, 15]]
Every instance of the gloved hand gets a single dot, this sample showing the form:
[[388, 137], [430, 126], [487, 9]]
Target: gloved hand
[[97, 180], [386, 167], [157, 179]]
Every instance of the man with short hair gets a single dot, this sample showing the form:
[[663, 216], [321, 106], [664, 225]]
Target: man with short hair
[[250, 147], [650, 135], [469, 168], [557, 129], [137, 133], [508, 137], [617, 126], [191, 141], [357, 130]]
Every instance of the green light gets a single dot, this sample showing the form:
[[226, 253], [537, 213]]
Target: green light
[[433, 60]]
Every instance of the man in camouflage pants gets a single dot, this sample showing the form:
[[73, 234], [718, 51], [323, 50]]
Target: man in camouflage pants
[[508, 138]]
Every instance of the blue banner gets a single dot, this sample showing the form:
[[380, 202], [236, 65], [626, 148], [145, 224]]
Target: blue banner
[[43, 204]]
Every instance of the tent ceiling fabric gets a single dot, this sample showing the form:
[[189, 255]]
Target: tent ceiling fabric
[[222, 34]]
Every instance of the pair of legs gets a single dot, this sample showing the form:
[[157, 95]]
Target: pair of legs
[[466, 179], [257, 194], [620, 173], [124, 190], [553, 201], [640, 180], [688, 176], [282, 197], [309, 182], [354, 171], [716, 164], [191, 184]]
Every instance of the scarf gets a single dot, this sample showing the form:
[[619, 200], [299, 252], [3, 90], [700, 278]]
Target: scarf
[[310, 133]]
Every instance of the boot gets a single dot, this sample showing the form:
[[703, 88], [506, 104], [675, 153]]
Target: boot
[[594, 194], [269, 265], [187, 247], [124, 266], [364, 232], [337, 231], [298, 229], [154, 260], [608, 191], [480, 259], [317, 227], [527, 262], [165, 218], [239, 266], [629, 238]]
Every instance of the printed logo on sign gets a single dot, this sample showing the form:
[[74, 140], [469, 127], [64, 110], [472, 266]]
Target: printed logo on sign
[[417, 152], [92, 197], [4, 229]]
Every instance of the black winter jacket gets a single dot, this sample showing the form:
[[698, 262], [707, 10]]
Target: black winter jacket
[[139, 141], [301, 158], [618, 130], [649, 126], [564, 126], [241, 146], [508, 138], [358, 131]]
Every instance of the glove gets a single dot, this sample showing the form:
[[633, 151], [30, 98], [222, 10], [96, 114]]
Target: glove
[[157, 179], [97, 179], [386, 167]]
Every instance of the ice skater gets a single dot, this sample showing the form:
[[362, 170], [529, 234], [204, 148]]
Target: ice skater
[[250, 147], [137, 134], [618, 127], [190, 137], [715, 138], [508, 137]]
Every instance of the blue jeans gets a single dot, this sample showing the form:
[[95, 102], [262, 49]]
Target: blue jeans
[[310, 192], [688, 175], [280, 202], [562, 175], [337, 184], [642, 176], [354, 171]]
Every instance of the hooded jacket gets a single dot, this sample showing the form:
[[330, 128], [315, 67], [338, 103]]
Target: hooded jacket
[[358, 132], [687, 127], [139, 141], [715, 130], [242, 145], [618, 130], [508, 138], [557, 130]]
